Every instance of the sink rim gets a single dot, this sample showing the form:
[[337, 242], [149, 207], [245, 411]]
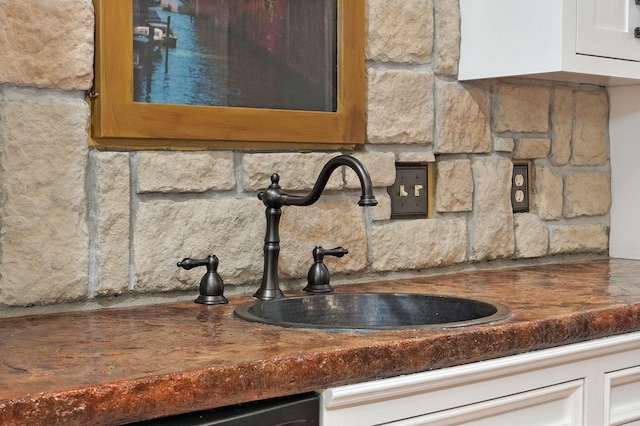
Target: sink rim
[[243, 312]]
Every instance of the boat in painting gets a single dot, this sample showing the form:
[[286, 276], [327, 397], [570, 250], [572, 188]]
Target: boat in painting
[[170, 39]]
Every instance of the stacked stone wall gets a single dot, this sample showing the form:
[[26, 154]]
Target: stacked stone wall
[[78, 223]]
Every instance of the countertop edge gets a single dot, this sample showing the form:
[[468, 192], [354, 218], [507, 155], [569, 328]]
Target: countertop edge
[[182, 357], [216, 386]]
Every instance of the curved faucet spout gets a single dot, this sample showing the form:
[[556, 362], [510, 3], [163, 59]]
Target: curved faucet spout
[[274, 198], [366, 199]]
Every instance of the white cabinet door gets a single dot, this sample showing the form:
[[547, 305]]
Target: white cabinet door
[[558, 405], [605, 28], [622, 396]]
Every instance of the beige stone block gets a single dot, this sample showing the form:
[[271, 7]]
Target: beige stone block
[[463, 119], [416, 157], [168, 172], [454, 186], [530, 148], [590, 128], [164, 232], [298, 172], [503, 144], [400, 106], [588, 238], [399, 30], [380, 165], [47, 43], [492, 230], [415, 244], [110, 216], [532, 238], [383, 210], [44, 236], [331, 222], [561, 125], [548, 193], [447, 39], [522, 108], [587, 194]]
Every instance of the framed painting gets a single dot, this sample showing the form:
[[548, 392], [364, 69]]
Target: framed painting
[[236, 74]]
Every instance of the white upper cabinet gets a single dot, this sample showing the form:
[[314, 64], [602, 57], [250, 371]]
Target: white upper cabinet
[[583, 41], [606, 29]]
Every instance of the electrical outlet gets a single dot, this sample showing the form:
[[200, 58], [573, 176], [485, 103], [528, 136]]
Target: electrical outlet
[[409, 193], [520, 188]]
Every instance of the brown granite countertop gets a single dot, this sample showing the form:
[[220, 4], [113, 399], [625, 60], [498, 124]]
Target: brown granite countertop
[[114, 366]]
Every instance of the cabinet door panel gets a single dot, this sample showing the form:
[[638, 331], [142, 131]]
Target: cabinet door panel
[[558, 405], [622, 396], [605, 28]]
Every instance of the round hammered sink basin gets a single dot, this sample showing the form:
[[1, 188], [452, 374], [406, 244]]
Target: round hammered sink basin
[[373, 311]]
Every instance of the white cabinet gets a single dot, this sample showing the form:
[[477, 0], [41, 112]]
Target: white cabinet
[[593, 383], [606, 29], [587, 41]]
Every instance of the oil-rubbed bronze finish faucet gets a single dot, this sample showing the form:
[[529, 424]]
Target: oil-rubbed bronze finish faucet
[[274, 198]]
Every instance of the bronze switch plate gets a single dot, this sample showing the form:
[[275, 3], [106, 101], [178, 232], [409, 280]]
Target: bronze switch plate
[[409, 193]]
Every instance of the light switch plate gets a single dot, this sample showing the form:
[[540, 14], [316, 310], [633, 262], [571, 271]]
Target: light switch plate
[[409, 193]]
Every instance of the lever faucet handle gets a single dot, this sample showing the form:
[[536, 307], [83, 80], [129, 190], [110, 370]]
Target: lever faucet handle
[[211, 284], [318, 277], [337, 252], [188, 263]]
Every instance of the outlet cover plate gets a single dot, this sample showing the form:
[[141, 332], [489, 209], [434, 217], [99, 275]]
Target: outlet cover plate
[[409, 193], [520, 188]]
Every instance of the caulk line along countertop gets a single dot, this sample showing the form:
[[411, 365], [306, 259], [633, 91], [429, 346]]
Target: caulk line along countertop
[[120, 365]]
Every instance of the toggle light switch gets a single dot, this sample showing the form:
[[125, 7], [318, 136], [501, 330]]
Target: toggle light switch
[[409, 192]]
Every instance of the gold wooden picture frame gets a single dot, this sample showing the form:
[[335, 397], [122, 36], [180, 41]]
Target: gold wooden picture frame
[[119, 122]]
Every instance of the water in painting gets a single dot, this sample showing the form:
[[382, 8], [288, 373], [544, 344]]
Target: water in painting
[[276, 54]]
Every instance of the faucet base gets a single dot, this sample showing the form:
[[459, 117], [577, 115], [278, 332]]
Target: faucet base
[[318, 288], [269, 294]]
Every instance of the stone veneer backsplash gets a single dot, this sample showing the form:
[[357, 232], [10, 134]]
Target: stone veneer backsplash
[[77, 223]]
